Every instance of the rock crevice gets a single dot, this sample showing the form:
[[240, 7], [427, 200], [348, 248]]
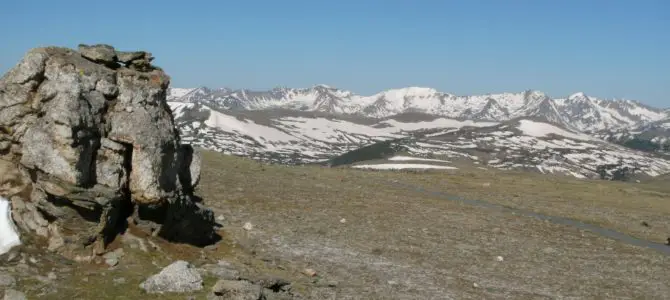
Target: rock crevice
[[89, 138]]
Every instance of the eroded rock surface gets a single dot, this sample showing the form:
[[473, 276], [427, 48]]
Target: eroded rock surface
[[86, 139]]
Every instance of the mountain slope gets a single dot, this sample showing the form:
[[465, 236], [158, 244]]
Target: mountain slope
[[293, 137]]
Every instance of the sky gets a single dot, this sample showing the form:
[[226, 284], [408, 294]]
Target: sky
[[605, 48]]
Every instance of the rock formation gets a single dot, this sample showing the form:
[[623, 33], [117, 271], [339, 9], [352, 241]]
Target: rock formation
[[87, 140]]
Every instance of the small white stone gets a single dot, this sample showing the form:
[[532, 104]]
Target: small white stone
[[475, 285], [343, 220], [391, 282], [248, 226], [499, 258], [129, 109], [220, 218]]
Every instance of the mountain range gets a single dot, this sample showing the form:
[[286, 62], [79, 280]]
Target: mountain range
[[574, 136], [577, 111]]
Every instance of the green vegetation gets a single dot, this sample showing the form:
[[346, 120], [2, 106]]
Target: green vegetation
[[375, 151]]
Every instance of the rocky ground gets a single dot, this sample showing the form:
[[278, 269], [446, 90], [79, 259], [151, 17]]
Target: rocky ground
[[324, 233]]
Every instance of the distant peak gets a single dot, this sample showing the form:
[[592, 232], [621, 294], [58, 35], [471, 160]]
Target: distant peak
[[578, 95], [414, 91]]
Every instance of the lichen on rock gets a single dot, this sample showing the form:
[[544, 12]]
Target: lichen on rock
[[88, 135]]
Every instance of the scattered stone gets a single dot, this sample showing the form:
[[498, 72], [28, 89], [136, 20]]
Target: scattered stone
[[52, 276], [309, 272], [119, 280], [645, 224], [112, 258], [11, 294], [475, 285], [81, 259], [7, 280], [343, 220], [99, 53], [248, 226], [112, 261], [392, 282], [236, 290], [180, 276], [33, 260], [499, 258], [549, 250], [220, 218]]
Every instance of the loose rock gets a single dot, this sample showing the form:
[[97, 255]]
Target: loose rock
[[248, 226], [309, 272], [235, 290], [11, 294], [180, 276]]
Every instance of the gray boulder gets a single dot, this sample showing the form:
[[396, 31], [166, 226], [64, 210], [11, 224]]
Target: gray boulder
[[180, 276], [83, 139]]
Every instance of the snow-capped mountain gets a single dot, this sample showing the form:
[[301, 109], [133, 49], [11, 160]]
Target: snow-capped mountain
[[297, 136], [578, 111], [651, 137]]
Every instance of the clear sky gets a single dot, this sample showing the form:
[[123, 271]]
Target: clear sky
[[605, 48]]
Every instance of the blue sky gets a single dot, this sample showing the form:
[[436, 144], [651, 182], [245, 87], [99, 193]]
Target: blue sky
[[605, 48]]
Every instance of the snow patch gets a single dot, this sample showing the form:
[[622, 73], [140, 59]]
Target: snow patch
[[409, 158], [402, 166], [9, 236], [539, 129]]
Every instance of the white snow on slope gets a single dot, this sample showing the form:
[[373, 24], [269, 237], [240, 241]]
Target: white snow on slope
[[247, 127], [9, 236], [402, 166], [437, 123], [409, 158], [538, 129]]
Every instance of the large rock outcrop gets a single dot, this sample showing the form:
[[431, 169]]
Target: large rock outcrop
[[88, 135]]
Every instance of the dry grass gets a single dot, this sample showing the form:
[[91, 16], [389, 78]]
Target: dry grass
[[401, 244]]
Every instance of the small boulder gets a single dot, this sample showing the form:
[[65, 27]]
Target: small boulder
[[112, 258], [99, 53], [180, 276], [235, 290]]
